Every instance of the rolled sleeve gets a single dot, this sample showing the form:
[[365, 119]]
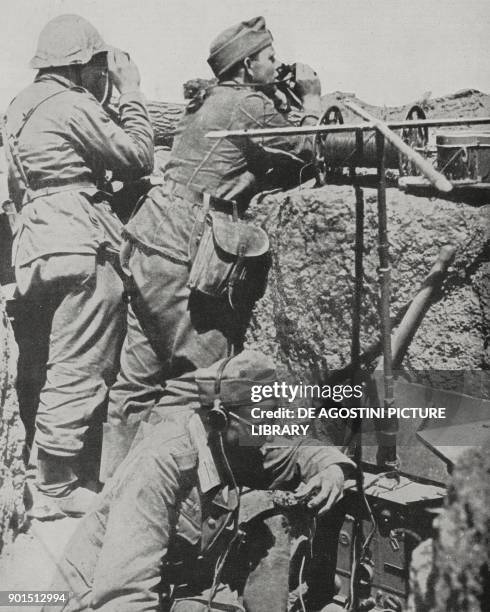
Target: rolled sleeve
[[287, 466]]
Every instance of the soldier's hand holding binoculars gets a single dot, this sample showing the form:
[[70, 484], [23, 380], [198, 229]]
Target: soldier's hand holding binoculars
[[307, 81], [309, 89], [123, 72]]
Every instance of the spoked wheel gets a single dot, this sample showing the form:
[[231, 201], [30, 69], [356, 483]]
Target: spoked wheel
[[332, 116], [416, 137]]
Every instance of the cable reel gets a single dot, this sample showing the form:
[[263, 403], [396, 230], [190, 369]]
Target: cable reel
[[338, 150], [415, 137]]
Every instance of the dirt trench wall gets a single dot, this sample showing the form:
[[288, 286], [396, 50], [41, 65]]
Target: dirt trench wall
[[305, 318], [452, 572], [462, 552], [11, 436]]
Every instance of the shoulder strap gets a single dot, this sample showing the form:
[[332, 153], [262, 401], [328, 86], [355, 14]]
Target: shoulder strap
[[11, 142], [13, 160], [29, 114]]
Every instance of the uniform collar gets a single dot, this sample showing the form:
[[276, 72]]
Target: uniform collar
[[234, 84], [55, 78]]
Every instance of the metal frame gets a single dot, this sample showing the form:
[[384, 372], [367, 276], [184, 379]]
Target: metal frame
[[346, 127], [383, 131], [383, 134]]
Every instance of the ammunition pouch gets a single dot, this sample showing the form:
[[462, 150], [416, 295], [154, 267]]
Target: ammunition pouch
[[231, 260]]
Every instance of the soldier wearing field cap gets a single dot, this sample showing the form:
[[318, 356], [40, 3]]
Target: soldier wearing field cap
[[164, 532], [60, 142], [171, 327]]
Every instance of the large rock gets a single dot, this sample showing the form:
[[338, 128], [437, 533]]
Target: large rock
[[305, 317]]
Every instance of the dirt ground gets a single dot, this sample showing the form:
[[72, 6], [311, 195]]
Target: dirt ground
[[29, 563]]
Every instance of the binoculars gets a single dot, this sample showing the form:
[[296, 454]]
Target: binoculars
[[286, 83]]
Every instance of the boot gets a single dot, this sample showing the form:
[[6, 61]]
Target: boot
[[77, 503], [57, 493]]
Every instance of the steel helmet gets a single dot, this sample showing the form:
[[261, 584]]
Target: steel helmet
[[65, 40]]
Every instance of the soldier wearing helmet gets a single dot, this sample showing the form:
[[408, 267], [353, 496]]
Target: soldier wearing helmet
[[60, 143], [164, 532], [171, 327]]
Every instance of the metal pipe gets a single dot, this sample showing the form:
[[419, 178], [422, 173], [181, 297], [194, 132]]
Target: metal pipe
[[387, 428], [407, 321], [436, 178], [389, 454], [356, 362], [354, 433], [420, 304], [346, 127], [356, 430], [358, 264]]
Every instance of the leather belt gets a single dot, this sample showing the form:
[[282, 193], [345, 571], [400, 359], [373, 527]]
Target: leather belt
[[32, 194], [198, 197]]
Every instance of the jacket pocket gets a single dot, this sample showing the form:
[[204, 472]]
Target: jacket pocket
[[189, 521]]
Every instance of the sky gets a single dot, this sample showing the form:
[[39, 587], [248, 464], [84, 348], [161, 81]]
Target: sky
[[387, 52]]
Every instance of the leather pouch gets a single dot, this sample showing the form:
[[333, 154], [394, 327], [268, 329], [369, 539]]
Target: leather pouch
[[231, 260]]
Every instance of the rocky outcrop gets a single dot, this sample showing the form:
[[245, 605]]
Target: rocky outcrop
[[305, 318], [12, 472]]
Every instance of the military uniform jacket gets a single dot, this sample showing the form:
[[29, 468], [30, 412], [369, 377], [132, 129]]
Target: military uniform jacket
[[65, 142], [228, 168]]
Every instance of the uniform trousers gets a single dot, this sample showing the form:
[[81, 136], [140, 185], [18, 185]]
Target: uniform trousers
[[170, 331], [70, 327]]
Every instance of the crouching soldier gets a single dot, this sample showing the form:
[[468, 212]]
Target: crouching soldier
[[60, 142], [161, 534]]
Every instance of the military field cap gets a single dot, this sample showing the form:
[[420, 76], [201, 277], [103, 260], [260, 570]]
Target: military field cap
[[66, 40], [239, 375], [238, 42]]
